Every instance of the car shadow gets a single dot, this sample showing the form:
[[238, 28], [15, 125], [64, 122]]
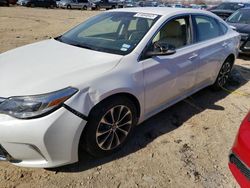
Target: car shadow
[[244, 57], [164, 122]]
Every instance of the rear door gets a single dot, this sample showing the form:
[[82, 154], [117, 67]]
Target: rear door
[[213, 45]]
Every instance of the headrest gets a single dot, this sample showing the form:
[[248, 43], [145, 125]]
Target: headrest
[[142, 25], [173, 29]]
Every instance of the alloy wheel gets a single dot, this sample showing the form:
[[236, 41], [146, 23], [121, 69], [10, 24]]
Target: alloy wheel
[[224, 74], [114, 127]]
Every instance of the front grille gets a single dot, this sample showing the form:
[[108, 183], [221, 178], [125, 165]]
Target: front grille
[[242, 167]]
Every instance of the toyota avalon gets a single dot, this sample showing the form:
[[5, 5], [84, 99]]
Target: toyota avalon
[[92, 85]]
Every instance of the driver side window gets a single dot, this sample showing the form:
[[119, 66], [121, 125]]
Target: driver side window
[[176, 33]]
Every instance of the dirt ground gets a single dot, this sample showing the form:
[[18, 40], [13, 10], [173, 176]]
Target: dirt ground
[[186, 145]]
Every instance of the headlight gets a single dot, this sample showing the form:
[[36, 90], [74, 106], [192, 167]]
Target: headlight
[[33, 106], [244, 36]]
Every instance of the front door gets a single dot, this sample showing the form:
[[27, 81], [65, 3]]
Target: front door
[[169, 78]]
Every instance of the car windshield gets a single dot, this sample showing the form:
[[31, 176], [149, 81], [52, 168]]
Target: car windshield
[[230, 6], [111, 32], [241, 16]]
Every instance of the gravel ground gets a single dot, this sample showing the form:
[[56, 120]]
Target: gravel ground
[[186, 145]]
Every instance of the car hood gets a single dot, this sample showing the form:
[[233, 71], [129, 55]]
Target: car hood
[[241, 28], [50, 65]]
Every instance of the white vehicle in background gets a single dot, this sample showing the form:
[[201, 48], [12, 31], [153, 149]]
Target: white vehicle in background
[[74, 4], [94, 83]]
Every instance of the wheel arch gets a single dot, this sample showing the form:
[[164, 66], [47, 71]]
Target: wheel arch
[[231, 57], [129, 96], [89, 98]]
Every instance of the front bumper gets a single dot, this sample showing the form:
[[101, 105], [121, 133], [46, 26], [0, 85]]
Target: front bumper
[[23, 3], [62, 6], [245, 44], [45, 142]]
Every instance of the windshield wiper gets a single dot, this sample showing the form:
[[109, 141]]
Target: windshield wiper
[[81, 46], [59, 38]]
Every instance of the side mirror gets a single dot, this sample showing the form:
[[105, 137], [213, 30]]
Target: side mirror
[[161, 49]]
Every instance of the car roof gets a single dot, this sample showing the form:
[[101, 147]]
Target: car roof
[[164, 11]]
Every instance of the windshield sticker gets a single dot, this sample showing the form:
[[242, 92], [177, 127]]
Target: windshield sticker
[[124, 49], [145, 15], [125, 46]]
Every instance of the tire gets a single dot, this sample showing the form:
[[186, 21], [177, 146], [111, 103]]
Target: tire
[[113, 7], [68, 7], [105, 135], [223, 75], [84, 8], [32, 5], [98, 7]]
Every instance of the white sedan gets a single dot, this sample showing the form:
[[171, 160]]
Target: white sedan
[[93, 84]]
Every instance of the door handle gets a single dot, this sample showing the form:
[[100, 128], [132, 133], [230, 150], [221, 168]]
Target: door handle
[[224, 44], [194, 55]]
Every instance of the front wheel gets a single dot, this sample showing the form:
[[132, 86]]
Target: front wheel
[[109, 127], [223, 75], [68, 7]]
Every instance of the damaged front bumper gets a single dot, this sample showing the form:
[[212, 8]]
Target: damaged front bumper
[[45, 142]]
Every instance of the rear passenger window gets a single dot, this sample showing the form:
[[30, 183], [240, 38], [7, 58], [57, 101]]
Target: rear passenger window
[[223, 28], [206, 28]]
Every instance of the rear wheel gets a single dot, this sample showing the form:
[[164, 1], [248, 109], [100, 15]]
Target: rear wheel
[[84, 8], [223, 75], [68, 7], [110, 126]]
